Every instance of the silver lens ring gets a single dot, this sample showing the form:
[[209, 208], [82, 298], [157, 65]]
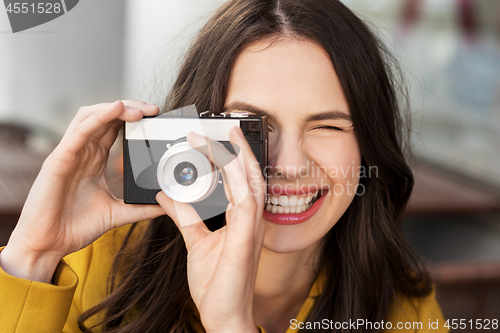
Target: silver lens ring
[[184, 159]]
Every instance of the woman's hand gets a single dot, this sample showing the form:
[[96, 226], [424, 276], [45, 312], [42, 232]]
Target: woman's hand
[[70, 204], [222, 265]]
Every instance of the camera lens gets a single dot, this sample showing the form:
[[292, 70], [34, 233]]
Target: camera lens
[[194, 176], [185, 173]]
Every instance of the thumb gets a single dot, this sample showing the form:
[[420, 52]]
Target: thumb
[[185, 218], [128, 213]]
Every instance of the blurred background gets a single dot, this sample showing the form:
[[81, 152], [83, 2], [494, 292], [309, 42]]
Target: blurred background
[[102, 51]]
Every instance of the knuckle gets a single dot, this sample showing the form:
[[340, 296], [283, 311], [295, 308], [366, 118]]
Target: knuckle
[[86, 110], [80, 129], [99, 117], [82, 109]]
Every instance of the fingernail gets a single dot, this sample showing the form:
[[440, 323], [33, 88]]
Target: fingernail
[[149, 105], [196, 140], [196, 137]]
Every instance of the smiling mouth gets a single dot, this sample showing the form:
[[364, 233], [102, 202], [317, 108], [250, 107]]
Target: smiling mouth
[[291, 204]]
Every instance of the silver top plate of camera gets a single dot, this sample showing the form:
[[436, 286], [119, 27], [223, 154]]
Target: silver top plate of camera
[[154, 128]]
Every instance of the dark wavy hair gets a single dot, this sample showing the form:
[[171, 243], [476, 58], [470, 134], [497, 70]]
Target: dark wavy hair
[[368, 263]]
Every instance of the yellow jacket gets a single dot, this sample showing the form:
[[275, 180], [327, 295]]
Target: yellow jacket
[[80, 283]]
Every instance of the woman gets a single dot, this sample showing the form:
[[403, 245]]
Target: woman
[[319, 74]]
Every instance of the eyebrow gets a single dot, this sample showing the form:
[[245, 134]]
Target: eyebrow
[[325, 115]]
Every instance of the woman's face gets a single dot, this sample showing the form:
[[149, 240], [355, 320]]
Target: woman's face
[[312, 144]]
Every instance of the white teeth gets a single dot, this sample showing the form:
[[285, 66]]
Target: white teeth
[[283, 201], [287, 209], [291, 201], [289, 204]]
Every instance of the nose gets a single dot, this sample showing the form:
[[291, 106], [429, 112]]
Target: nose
[[286, 157]]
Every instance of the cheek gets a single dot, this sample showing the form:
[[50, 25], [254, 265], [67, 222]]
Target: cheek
[[339, 158]]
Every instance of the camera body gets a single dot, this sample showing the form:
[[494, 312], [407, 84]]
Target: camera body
[[156, 156]]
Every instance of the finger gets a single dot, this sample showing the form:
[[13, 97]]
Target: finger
[[112, 110], [257, 184], [129, 114], [234, 177], [97, 125], [110, 137], [147, 109], [248, 159], [132, 110], [77, 135], [185, 218], [127, 213], [214, 150], [86, 111]]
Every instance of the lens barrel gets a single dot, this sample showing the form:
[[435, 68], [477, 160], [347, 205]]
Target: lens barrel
[[185, 174]]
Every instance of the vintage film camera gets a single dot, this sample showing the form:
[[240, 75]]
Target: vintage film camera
[[156, 156]]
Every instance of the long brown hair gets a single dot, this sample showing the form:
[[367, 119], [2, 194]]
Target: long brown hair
[[368, 263]]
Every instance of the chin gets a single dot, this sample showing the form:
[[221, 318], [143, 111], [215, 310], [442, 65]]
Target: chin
[[289, 239]]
